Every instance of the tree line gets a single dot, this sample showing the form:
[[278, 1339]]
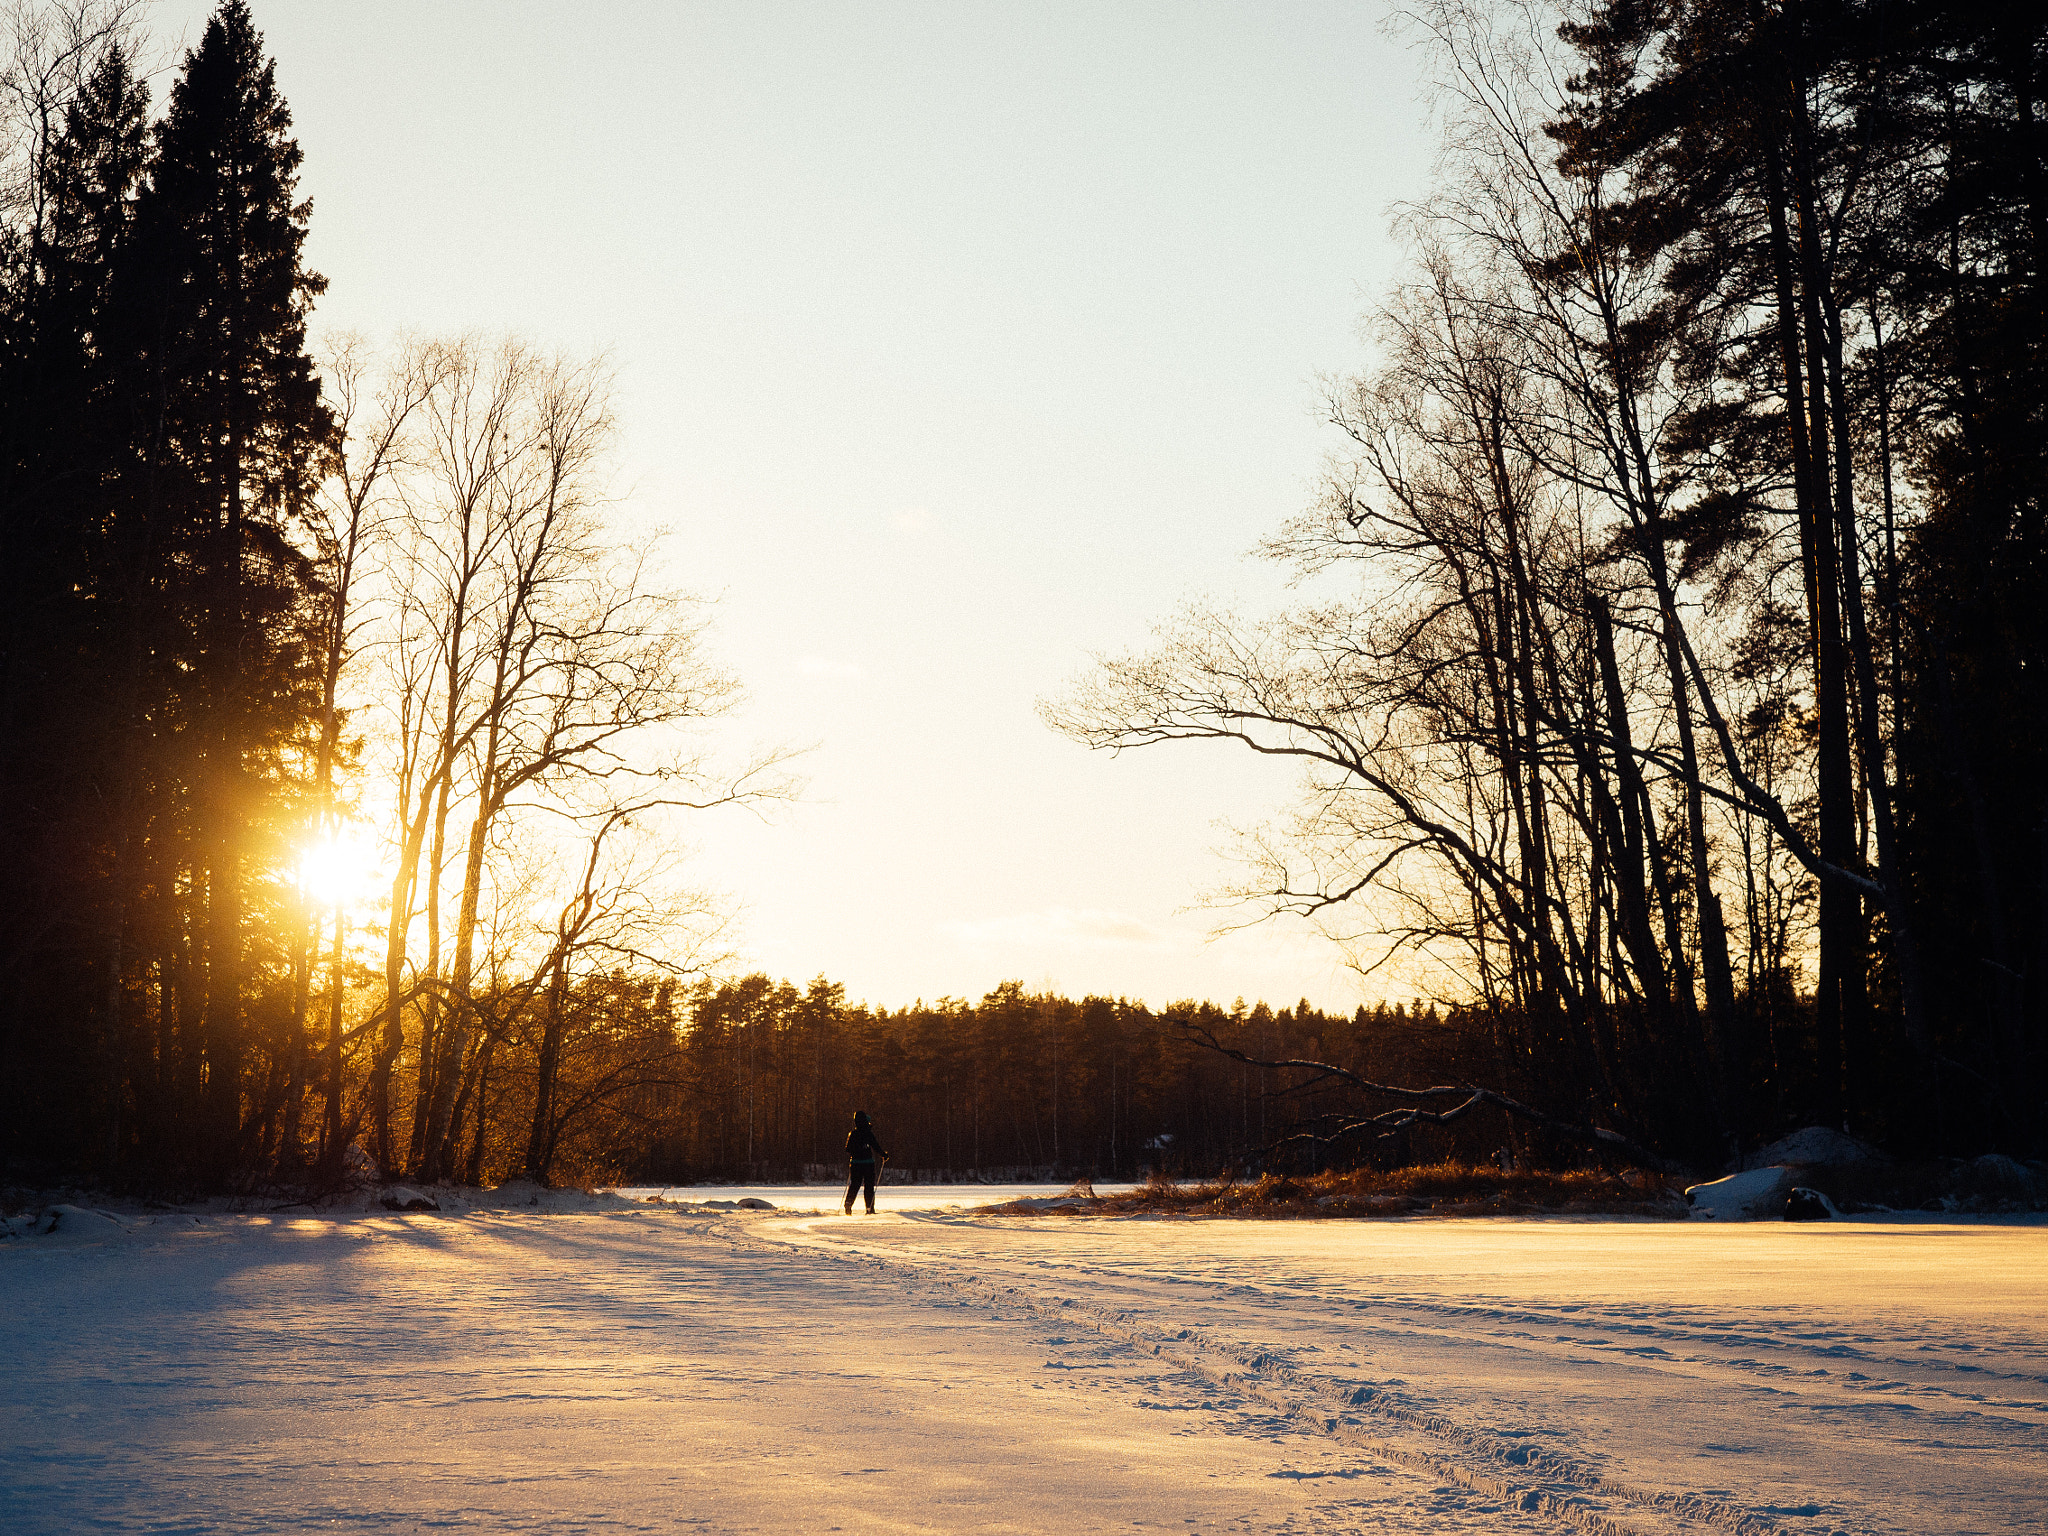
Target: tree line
[[1673, 683], [755, 1079]]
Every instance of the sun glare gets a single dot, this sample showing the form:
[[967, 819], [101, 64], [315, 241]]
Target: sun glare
[[335, 870]]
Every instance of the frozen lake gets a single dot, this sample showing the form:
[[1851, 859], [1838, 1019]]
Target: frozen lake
[[888, 1197], [653, 1370]]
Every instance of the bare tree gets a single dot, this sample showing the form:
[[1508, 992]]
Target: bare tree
[[373, 406], [530, 661], [623, 910], [47, 53]]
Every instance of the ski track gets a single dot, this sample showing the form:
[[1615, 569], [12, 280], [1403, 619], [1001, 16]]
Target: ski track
[[659, 1371], [1921, 1407]]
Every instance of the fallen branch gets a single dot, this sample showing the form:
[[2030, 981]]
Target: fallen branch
[[1391, 1122]]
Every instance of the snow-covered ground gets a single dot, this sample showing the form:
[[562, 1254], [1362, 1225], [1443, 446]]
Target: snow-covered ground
[[823, 1198], [667, 1369]]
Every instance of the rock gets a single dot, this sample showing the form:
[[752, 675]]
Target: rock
[[1803, 1204], [1750, 1196], [1386, 1202], [399, 1198], [77, 1223], [750, 1203], [1817, 1146], [1996, 1171]]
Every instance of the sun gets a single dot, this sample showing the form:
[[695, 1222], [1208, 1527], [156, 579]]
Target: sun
[[335, 869]]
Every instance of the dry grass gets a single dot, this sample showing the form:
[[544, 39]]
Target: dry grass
[[1442, 1189]]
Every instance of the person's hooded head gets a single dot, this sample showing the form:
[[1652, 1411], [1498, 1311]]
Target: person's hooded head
[[860, 1119]]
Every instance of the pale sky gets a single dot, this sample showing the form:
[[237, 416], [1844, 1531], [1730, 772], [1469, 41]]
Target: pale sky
[[955, 342]]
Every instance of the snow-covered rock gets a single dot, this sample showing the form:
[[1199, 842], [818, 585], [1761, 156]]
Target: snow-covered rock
[[755, 1203], [525, 1194], [401, 1198], [72, 1224], [1044, 1203], [1816, 1146], [1803, 1204], [1757, 1195], [1760, 1194]]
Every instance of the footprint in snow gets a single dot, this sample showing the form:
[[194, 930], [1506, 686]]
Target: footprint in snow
[[1298, 1476]]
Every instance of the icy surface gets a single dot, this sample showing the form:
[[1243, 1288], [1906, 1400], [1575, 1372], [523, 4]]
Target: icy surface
[[665, 1369], [824, 1198]]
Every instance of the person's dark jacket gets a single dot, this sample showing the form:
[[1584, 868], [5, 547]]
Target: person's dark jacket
[[862, 1147]]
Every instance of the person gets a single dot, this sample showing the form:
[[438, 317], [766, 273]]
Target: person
[[864, 1154]]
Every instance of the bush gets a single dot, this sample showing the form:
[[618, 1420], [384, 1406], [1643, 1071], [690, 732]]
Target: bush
[[1437, 1189]]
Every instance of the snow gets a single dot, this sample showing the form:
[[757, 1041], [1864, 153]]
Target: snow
[[821, 1198], [1762, 1194], [1803, 1204], [67, 1224], [1756, 1195], [628, 1366]]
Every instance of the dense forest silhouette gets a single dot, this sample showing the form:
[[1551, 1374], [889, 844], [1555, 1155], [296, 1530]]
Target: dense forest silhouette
[[1680, 716], [755, 1079]]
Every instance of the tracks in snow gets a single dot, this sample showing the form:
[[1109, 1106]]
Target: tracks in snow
[[1367, 1416]]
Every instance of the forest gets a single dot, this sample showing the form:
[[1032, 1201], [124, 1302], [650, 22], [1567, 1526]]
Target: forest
[[1666, 685], [760, 1080]]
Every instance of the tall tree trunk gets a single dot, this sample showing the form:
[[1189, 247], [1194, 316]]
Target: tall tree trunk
[[432, 1005], [453, 1046], [1626, 862], [331, 1148], [1840, 967], [224, 1043], [298, 1053], [391, 1037], [1722, 1043], [547, 1069], [473, 1170]]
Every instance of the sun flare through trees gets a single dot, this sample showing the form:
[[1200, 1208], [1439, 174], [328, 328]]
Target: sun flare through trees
[[346, 733]]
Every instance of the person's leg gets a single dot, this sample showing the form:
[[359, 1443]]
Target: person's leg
[[868, 1187], [853, 1185]]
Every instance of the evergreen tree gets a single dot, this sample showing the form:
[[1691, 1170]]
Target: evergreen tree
[[230, 438], [1735, 126], [1961, 400], [63, 612]]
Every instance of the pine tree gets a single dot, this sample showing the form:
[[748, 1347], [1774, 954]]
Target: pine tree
[[1727, 117], [62, 618], [231, 439], [1963, 380]]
